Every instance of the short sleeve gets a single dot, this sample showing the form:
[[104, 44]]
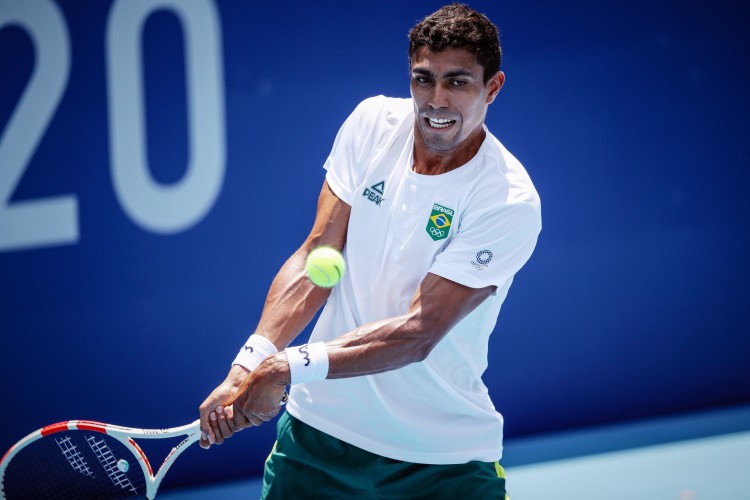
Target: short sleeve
[[347, 162], [491, 246]]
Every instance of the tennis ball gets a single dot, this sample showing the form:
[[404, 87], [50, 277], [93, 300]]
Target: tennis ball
[[325, 266]]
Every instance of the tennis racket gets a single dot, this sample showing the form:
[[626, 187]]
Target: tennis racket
[[84, 459]]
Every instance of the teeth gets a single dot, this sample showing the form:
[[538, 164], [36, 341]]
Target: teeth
[[439, 122]]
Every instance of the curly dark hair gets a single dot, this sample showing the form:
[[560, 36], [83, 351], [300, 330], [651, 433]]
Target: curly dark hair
[[459, 26]]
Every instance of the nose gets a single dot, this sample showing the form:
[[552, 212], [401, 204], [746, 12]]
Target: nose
[[439, 97]]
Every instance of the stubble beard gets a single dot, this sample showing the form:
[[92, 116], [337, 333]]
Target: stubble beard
[[434, 141]]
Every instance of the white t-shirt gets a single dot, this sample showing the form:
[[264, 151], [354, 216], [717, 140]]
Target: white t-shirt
[[475, 225]]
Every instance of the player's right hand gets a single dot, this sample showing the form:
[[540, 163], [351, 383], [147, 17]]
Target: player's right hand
[[218, 421]]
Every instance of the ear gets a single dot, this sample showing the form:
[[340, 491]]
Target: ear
[[494, 85]]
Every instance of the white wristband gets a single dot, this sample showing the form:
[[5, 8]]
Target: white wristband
[[256, 349], [307, 363]]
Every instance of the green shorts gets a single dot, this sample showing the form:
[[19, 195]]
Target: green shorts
[[307, 463]]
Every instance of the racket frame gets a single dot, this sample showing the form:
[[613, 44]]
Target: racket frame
[[126, 436]]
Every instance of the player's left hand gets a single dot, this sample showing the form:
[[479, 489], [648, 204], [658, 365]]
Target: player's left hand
[[218, 421]]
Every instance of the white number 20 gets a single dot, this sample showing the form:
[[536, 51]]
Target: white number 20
[[153, 206]]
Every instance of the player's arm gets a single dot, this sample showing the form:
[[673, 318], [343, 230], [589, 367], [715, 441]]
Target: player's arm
[[436, 307], [293, 300], [291, 303]]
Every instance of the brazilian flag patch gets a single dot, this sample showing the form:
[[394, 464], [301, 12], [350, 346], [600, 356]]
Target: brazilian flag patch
[[439, 223]]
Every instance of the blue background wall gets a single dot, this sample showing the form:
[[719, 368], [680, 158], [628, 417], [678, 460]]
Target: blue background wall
[[632, 119]]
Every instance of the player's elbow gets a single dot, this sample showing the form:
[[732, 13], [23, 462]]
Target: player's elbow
[[424, 336], [419, 351]]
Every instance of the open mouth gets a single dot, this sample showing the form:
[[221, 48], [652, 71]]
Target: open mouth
[[439, 122]]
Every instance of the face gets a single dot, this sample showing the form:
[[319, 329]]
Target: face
[[450, 99]]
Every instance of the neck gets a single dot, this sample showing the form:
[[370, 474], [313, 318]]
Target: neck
[[430, 162]]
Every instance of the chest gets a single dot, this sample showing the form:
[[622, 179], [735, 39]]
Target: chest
[[403, 219]]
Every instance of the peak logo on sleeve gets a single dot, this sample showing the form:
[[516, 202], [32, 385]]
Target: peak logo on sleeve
[[439, 223]]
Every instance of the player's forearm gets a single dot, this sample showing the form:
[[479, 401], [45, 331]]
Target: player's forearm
[[373, 348], [292, 302], [382, 346], [437, 306]]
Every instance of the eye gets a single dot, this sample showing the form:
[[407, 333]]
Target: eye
[[457, 83], [421, 79]]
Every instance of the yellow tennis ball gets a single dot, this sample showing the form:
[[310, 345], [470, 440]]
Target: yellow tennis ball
[[325, 266]]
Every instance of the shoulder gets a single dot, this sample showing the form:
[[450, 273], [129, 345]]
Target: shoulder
[[376, 121], [502, 194], [374, 125], [508, 177], [384, 110]]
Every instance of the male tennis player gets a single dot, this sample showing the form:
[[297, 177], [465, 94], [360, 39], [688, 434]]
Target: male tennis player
[[434, 217]]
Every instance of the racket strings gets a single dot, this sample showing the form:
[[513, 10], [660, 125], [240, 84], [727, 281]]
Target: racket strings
[[110, 464], [74, 465], [75, 459]]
